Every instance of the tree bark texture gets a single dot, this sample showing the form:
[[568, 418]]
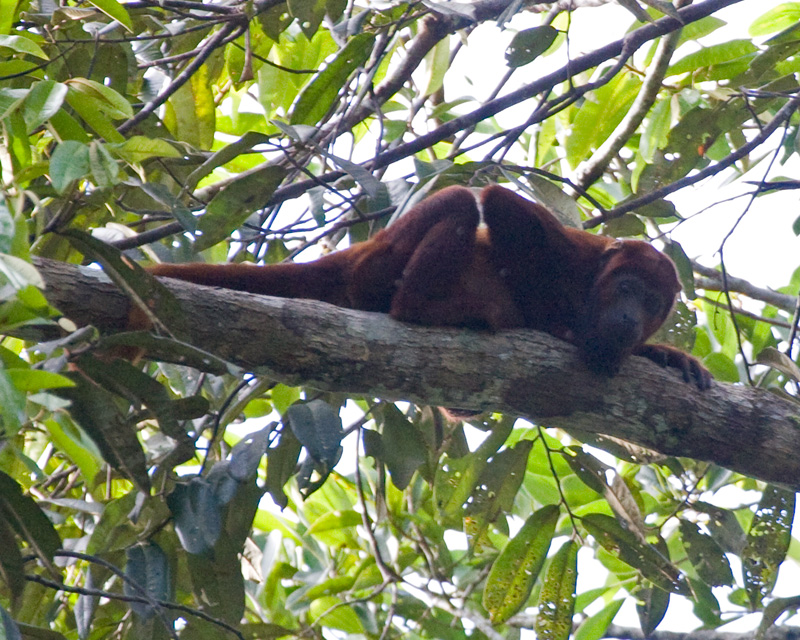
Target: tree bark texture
[[522, 372]]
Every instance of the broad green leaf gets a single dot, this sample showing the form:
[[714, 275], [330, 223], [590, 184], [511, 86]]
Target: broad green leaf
[[191, 111], [104, 168], [597, 118], [401, 454], [148, 573], [529, 44], [335, 520], [136, 149], [317, 98], [309, 14], [624, 545], [594, 627], [557, 598], [43, 102], [437, 62], [12, 567], [115, 11], [767, 542], [10, 100], [12, 404], [197, 513], [244, 144], [706, 555], [332, 612], [37, 379], [712, 55], [722, 367], [92, 110], [67, 438], [7, 228], [319, 428], [656, 132], [515, 570], [776, 19], [651, 606], [96, 411], [111, 102], [8, 14], [28, 520], [19, 273], [454, 485], [780, 361], [228, 210], [24, 45]]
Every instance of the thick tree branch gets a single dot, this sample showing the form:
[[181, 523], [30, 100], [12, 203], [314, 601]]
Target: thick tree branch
[[524, 373]]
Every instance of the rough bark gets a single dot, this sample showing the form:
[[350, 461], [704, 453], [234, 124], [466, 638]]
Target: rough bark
[[525, 373]]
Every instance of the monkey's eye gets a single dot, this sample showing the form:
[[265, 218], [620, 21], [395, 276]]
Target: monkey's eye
[[652, 304]]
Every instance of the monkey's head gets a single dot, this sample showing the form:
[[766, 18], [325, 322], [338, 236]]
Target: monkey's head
[[632, 294]]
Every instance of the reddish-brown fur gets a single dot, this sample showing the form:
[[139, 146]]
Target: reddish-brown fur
[[436, 266]]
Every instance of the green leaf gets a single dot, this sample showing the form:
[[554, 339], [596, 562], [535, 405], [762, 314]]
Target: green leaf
[[137, 149], [712, 55], [228, 210], [148, 575], [597, 118], [191, 111], [595, 627], [12, 567], [706, 556], [335, 520], [97, 413], [12, 404], [10, 100], [651, 606], [244, 144], [319, 428], [771, 357], [37, 379], [721, 367], [104, 168], [515, 570], [43, 102], [28, 520], [330, 611], [197, 513], [24, 45], [623, 544], [115, 11], [557, 598], [317, 98], [105, 98], [778, 18], [402, 454], [437, 62], [7, 228], [767, 542], [92, 111], [529, 44], [309, 14]]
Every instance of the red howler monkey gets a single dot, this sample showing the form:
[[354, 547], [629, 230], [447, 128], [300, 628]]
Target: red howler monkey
[[435, 266]]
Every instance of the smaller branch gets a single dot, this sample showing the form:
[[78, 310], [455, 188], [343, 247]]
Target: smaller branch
[[781, 116], [744, 313], [713, 281], [656, 71], [214, 42]]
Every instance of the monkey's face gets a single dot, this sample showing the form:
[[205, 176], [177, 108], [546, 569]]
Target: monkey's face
[[622, 311]]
